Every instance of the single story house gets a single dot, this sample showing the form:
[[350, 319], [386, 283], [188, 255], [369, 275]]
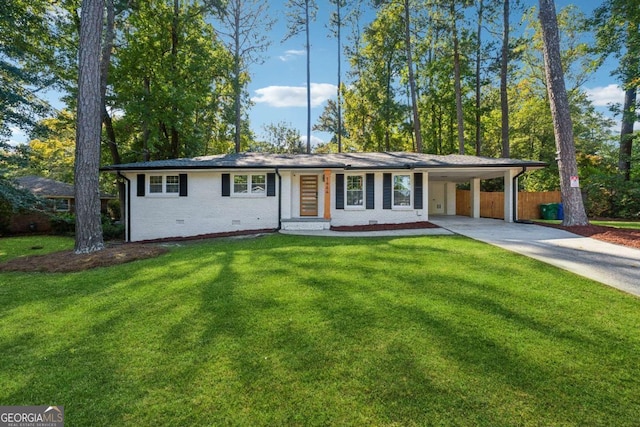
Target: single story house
[[258, 191], [60, 194], [60, 197]]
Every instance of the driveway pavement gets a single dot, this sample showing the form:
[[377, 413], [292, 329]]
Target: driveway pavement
[[614, 265]]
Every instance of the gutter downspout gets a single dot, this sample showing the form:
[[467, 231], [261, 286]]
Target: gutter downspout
[[279, 199], [128, 201], [515, 198]]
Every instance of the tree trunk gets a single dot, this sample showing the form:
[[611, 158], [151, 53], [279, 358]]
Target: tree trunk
[[626, 133], [457, 78], [478, 80], [87, 192], [237, 89], [504, 100], [306, 23], [574, 213], [146, 131], [417, 127], [339, 97]]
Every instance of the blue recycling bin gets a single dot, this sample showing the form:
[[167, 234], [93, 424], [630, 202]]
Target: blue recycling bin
[[560, 214]]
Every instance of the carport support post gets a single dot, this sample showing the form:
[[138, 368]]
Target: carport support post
[[510, 187], [475, 198]]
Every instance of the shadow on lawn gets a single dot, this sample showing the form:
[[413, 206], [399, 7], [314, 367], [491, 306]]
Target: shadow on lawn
[[399, 339]]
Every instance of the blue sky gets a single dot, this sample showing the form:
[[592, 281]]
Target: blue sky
[[278, 85]]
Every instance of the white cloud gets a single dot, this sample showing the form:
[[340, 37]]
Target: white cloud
[[294, 96], [314, 140], [602, 96], [290, 55]]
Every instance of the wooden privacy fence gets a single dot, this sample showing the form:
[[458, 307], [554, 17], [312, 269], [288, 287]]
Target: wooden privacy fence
[[492, 204]]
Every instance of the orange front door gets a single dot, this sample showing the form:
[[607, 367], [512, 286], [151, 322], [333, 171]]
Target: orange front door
[[308, 195]]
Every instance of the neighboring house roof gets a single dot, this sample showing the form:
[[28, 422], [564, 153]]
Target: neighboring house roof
[[44, 187], [387, 160]]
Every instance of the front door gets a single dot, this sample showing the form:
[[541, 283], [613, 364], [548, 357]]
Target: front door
[[308, 195]]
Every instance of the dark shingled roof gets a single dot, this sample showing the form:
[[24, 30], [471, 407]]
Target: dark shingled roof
[[44, 187], [396, 160]]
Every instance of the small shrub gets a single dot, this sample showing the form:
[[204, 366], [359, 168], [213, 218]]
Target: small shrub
[[610, 196], [111, 230], [63, 223]]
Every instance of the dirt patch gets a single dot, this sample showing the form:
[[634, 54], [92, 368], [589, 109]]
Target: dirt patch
[[619, 236], [68, 261]]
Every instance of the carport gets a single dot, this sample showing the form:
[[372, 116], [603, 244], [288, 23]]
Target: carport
[[443, 183]]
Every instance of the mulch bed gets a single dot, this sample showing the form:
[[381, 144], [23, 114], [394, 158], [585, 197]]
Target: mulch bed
[[382, 227], [619, 236], [68, 261]]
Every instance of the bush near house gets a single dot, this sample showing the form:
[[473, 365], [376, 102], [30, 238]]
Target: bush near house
[[610, 196], [65, 224]]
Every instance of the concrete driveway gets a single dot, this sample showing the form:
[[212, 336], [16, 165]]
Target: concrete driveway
[[613, 265]]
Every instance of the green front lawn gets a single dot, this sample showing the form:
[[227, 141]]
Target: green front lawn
[[13, 247], [285, 330]]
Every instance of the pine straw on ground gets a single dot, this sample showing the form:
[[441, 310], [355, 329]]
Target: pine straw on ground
[[67, 261], [619, 236]]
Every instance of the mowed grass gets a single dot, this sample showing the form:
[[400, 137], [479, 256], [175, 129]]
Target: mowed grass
[[14, 247], [285, 330]]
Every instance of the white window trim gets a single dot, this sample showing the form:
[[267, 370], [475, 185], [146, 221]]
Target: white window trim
[[393, 192], [163, 193], [248, 194], [361, 207]]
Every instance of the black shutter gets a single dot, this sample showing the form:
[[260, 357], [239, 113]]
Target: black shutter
[[371, 191], [386, 191], [141, 184], [339, 191], [183, 185], [226, 185], [271, 184], [417, 190]]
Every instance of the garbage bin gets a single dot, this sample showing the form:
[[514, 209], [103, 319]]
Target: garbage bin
[[549, 210], [560, 210]]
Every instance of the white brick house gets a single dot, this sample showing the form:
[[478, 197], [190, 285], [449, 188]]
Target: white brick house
[[256, 191]]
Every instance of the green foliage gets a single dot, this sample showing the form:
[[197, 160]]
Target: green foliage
[[52, 150], [65, 224], [279, 138], [172, 81], [611, 196], [26, 50], [112, 230]]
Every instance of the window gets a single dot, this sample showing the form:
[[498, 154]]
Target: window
[[355, 190], [155, 184], [402, 190], [172, 184], [250, 184], [159, 184], [60, 205], [258, 184]]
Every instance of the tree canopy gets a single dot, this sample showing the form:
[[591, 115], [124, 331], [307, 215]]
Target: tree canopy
[[418, 76]]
